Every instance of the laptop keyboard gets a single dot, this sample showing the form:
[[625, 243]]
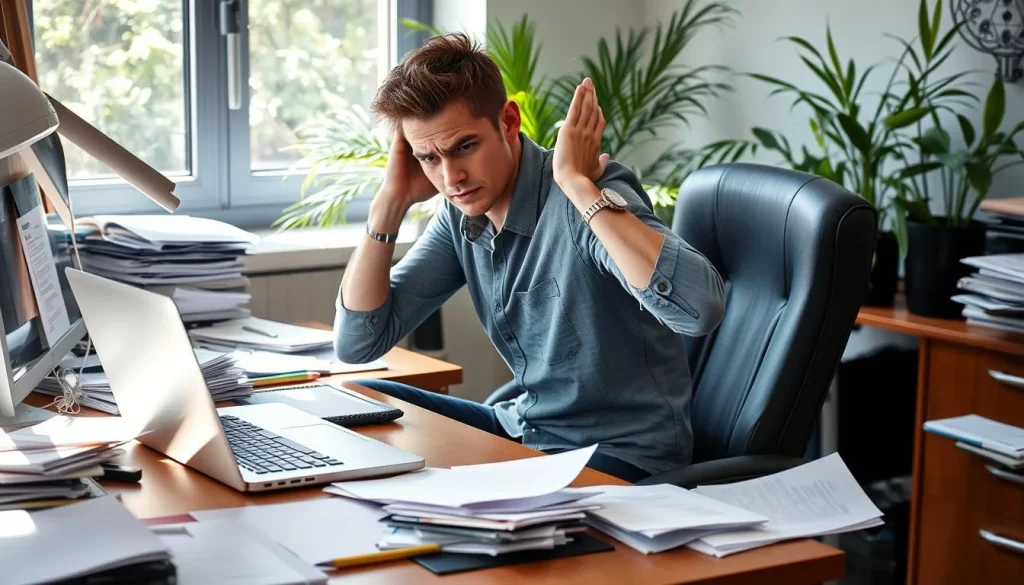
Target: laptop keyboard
[[261, 451]]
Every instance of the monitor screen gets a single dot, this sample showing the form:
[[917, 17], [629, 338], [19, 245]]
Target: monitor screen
[[37, 308]]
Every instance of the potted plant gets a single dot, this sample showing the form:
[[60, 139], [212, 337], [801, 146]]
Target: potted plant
[[937, 241], [860, 138], [641, 85]]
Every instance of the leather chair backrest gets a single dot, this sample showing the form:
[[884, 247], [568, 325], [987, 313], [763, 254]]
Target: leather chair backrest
[[795, 251]]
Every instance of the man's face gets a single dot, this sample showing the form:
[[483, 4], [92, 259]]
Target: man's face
[[466, 158]]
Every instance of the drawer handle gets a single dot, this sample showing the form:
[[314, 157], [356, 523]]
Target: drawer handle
[[1008, 379], [1002, 541], [1003, 474]]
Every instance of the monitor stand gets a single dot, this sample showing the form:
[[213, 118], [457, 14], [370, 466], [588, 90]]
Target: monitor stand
[[25, 415]]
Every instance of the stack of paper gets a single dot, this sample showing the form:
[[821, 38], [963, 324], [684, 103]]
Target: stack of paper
[[996, 441], [54, 460], [817, 498], [656, 518], [20, 491], [995, 293], [1004, 224], [261, 334], [195, 261], [258, 363], [230, 552], [491, 509], [225, 380], [89, 538]]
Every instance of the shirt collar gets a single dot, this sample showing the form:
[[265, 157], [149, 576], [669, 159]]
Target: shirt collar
[[527, 195]]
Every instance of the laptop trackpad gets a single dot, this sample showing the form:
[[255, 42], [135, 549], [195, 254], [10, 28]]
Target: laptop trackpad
[[325, 438]]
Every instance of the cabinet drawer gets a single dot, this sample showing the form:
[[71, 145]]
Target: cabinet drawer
[[961, 498], [964, 380]]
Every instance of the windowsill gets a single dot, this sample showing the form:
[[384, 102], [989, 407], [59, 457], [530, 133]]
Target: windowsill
[[314, 248]]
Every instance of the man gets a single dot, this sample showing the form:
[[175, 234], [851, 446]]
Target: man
[[582, 290]]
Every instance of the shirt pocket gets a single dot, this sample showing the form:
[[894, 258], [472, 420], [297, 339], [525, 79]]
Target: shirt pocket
[[547, 332]]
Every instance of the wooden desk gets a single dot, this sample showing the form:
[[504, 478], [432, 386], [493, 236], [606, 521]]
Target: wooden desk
[[414, 369], [954, 494], [407, 367], [170, 489]]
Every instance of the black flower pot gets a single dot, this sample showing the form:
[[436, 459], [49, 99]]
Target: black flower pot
[[933, 265], [884, 272]]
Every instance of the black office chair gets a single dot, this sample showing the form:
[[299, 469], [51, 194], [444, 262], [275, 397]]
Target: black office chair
[[795, 253]]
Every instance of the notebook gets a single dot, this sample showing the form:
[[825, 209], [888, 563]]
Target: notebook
[[331, 403]]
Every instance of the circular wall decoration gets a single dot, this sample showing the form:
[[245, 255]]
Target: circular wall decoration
[[995, 27]]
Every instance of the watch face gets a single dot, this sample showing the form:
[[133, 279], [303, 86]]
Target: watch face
[[615, 199]]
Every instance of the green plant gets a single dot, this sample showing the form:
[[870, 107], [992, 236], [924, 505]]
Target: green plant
[[965, 172], [643, 87], [866, 148], [347, 155]]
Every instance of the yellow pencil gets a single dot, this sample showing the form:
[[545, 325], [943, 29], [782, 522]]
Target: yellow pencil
[[287, 379], [379, 557]]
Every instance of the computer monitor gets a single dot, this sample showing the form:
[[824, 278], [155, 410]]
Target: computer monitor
[[31, 348]]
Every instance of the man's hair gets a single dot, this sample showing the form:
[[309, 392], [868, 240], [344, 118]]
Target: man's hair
[[445, 69]]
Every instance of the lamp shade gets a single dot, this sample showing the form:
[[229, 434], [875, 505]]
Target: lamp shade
[[26, 115]]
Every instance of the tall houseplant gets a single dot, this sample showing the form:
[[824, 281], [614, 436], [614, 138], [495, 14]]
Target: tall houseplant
[[936, 242], [641, 85], [862, 140]]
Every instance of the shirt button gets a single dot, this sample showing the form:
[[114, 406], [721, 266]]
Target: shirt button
[[662, 286], [373, 320], [508, 337], [497, 307]]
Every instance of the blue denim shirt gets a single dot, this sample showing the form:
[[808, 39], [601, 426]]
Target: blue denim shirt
[[597, 360]]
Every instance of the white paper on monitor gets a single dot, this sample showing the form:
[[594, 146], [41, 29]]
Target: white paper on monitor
[[42, 269], [820, 497]]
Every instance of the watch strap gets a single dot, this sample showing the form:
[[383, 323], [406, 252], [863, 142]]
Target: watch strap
[[385, 238], [596, 206]]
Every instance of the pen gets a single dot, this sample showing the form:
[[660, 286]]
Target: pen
[[284, 378], [381, 556], [258, 331]]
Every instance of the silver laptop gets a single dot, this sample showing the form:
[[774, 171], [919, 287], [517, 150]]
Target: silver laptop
[[156, 381]]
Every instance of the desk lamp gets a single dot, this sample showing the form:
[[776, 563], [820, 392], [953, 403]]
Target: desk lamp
[[29, 115]]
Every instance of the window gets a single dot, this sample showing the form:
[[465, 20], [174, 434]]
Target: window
[[155, 74]]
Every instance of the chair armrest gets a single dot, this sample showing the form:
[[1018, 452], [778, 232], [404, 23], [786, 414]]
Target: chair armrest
[[507, 391], [724, 470]]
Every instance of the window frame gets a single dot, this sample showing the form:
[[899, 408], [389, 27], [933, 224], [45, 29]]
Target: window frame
[[221, 185]]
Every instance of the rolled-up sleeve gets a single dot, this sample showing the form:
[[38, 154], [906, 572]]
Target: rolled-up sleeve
[[685, 291], [427, 276]]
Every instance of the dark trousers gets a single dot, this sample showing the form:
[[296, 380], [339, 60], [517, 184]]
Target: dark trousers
[[482, 417]]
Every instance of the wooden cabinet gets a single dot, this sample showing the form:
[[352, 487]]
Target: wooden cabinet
[[960, 494], [967, 513]]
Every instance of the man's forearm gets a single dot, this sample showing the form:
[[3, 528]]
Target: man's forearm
[[633, 245], [367, 279]]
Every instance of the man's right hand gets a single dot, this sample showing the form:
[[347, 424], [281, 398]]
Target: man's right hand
[[404, 179]]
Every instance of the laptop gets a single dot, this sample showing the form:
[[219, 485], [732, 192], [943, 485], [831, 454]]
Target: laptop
[[157, 383]]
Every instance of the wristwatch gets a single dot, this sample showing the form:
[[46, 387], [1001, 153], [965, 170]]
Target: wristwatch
[[386, 238], [608, 199]]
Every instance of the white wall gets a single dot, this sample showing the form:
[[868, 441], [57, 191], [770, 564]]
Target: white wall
[[568, 29], [858, 28]]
